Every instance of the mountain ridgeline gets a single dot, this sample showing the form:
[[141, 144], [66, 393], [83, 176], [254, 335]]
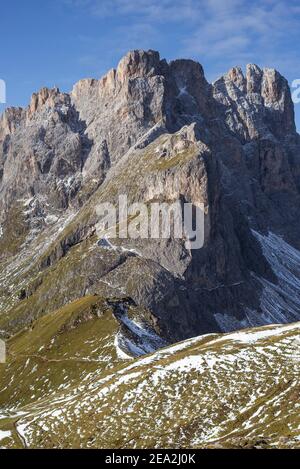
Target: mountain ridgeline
[[155, 131]]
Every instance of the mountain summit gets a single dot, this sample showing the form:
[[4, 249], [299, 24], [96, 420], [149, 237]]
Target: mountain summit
[[154, 131]]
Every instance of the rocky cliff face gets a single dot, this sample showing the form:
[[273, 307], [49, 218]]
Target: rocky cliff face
[[154, 131]]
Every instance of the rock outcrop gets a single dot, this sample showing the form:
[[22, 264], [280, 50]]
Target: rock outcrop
[[154, 131]]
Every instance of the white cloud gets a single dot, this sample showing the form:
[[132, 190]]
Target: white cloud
[[238, 31], [227, 33], [153, 10]]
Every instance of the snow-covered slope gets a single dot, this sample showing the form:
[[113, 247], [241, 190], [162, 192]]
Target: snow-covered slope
[[232, 390], [280, 302]]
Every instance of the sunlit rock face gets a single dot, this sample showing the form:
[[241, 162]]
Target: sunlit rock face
[[154, 131]]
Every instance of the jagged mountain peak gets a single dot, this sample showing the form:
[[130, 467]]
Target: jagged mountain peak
[[138, 63], [158, 130], [50, 97], [258, 103]]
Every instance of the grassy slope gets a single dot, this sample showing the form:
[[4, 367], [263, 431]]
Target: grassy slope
[[240, 389], [56, 353]]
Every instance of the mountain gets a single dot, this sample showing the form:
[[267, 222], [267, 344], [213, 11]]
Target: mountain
[[238, 390], [154, 131], [75, 306]]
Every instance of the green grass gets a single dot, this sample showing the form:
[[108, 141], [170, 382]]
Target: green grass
[[15, 231], [58, 349], [237, 394]]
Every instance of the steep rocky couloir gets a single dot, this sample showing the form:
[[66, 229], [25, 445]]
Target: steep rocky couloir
[[155, 131]]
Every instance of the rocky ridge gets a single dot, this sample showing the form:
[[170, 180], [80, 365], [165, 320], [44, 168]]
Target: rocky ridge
[[231, 145]]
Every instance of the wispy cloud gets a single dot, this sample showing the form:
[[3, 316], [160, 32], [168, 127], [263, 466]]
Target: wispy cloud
[[242, 29], [157, 10], [220, 33]]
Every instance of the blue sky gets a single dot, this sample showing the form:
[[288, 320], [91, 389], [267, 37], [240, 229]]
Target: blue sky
[[58, 42]]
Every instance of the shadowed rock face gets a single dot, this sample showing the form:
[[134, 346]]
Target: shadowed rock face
[[154, 131]]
